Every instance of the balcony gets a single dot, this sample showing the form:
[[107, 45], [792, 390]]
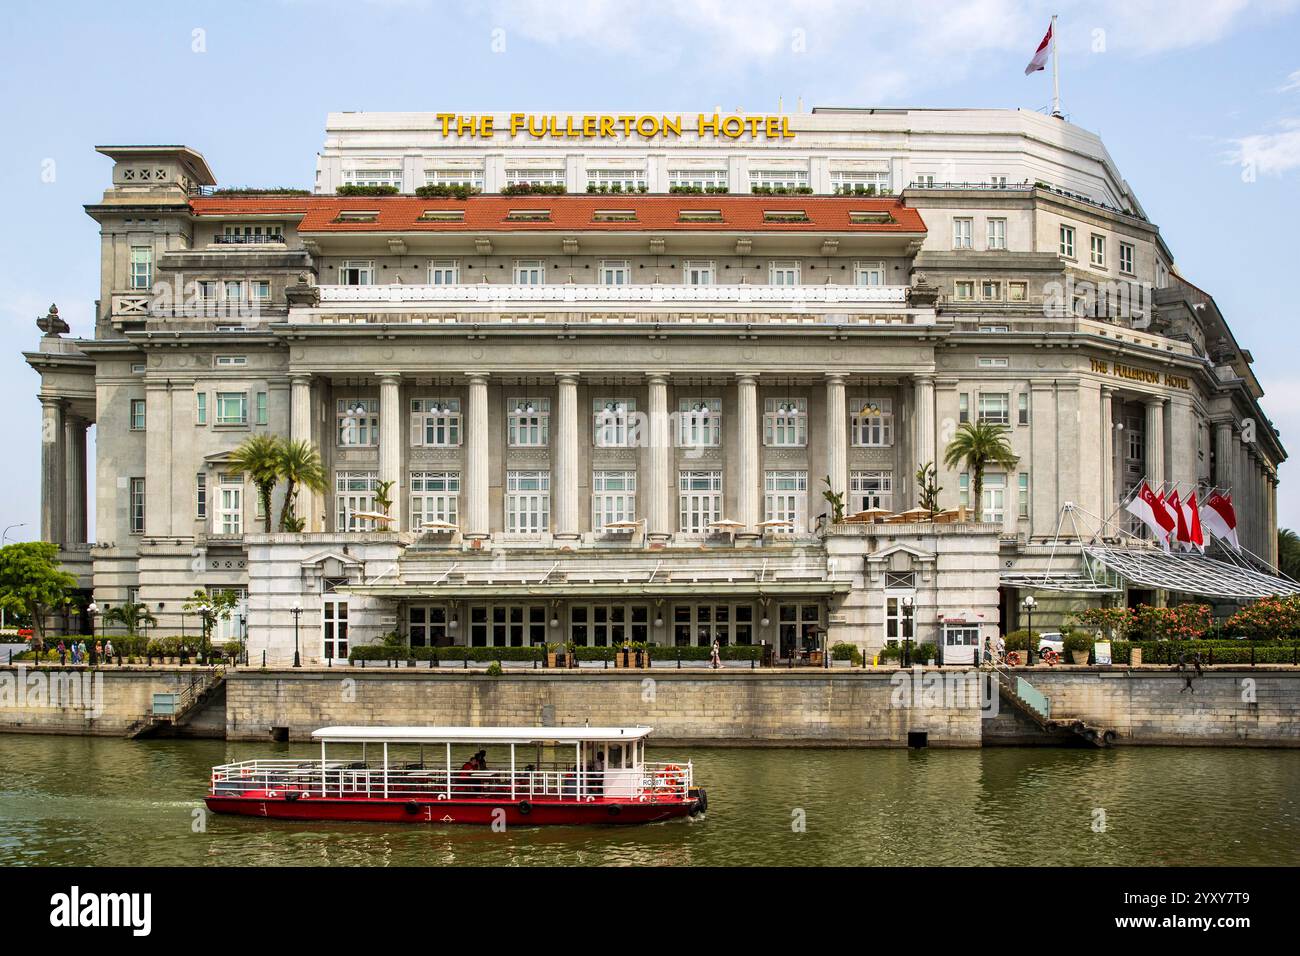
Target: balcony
[[621, 296], [269, 239]]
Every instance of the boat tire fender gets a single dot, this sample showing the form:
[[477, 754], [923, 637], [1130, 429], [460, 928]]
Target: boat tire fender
[[293, 795], [412, 807], [701, 802], [525, 807], [615, 810]]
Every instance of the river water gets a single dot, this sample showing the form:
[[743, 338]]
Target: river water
[[110, 802]]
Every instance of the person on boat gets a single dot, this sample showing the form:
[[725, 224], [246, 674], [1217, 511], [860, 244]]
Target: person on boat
[[465, 779]]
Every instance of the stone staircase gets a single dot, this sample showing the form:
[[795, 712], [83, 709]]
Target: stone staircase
[[170, 711], [1034, 705]]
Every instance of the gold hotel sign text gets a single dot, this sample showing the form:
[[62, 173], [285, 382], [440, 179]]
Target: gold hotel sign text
[[1140, 374], [612, 126]]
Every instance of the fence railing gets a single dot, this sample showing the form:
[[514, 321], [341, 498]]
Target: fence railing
[[650, 292]]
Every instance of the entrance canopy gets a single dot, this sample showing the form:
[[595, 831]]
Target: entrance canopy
[[1191, 573]]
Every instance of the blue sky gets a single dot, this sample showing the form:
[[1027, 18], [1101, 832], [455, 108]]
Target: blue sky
[[1181, 92]]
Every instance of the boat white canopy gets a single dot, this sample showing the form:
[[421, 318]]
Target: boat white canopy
[[476, 735]]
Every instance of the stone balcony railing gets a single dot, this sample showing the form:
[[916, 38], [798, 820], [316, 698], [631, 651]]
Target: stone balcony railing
[[620, 296]]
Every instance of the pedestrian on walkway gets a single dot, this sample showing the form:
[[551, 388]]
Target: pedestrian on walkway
[[63, 654], [108, 652], [715, 655]]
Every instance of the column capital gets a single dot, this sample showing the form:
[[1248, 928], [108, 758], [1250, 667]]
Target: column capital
[[388, 376], [922, 378], [1108, 390], [567, 378], [658, 378], [52, 401], [1155, 401], [478, 378], [833, 378], [747, 377], [301, 378]]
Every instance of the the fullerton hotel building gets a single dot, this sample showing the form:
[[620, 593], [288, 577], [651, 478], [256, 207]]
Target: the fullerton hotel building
[[610, 414]]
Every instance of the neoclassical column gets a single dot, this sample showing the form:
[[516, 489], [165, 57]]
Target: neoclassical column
[[747, 512], [300, 431], [390, 443], [474, 520], [1223, 448], [657, 482], [837, 434], [1155, 441], [158, 511], [564, 482], [922, 427], [54, 490], [1107, 452], [74, 464]]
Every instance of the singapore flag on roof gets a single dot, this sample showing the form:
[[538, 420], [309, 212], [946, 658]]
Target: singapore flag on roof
[[1039, 62]]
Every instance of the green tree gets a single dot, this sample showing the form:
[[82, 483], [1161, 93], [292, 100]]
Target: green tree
[[976, 446], [300, 467], [835, 499], [260, 457], [130, 616], [211, 608], [1288, 553], [32, 583], [927, 488]]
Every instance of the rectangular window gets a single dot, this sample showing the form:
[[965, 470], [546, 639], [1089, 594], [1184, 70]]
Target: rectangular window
[[472, 177], [358, 422], [785, 422], [1017, 291], [444, 272], [961, 233], [699, 423], [699, 501], [136, 505], [261, 408], [530, 272], [997, 233], [537, 177], [1067, 241], [354, 491], [200, 408], [963, 490], [993, 361], [357, 272], [778, 178], [232, 408], [698, 272], [783, 272], [231, 361], [1126, 250], [201, 496], [528, 422], [391, 176], [853, 183], [1098, 251], [435, 422], [614, 423], [141, 267], [613, 498], [871, 489], [137, 414], [964, 290], [230, 504], [528, 502], [869, 273], [698, 178], [261, 289], [995, 498], [1023, 491], [963, 407], [872, 424], [1022, 402], [616, 180], [786, 498], [427, 625], [234, 292], [995, 408], [334, 627], [991, 290], [435, 499], [249, 232], [614, 272]]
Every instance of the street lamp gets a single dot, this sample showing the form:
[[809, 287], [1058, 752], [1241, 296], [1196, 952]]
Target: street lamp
[[4, 537], [1029, 604], [908, 601], [92, 609], [296, 611]]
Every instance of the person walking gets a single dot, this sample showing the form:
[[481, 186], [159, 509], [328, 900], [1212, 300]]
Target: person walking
[[98, 657], [108, 652], [81, 651], [715, 655], [63, 654]]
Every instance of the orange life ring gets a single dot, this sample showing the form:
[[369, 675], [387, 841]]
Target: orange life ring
[[1050, 657], [1013, 659], [670, 779]]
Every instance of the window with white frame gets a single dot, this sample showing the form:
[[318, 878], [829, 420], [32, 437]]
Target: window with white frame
[[206, 290], [201, 408], [141, 267], [472, 177], [232, 408], [699, 422], [1097, 254], [135, 505], [783, 272], [995, 498], [137, 414], [201, 495], [435, 497], [1022, 408], [963, 407], [530, 272], [997, 233], [1126, 250], [698, 272], [528, 502], [871, 489], [613, 423], [786, 498], [699, 500], [528, 422], [618, 180], [1017, 291], [1022, 491], [358, 422], [995, 408], [540, 177], [614, 272], [869, 273], [613, 498], [993, 361], [1067, 241], [435, 422], [260, 290], [963, 290], [259, 408], [991, 290], [230, 361], [357, 272], [872, 423], [778, 178], [427, 625], [444, 272], [785, 422], [354, 491], [962, 229], [388, 176], [229, 518], [234, 292], [849, 182], [698, 178]]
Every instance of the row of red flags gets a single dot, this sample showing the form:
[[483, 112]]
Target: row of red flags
[[1182, 522]]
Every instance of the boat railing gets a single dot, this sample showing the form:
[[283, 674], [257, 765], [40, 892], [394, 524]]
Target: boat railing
[[360, 780]]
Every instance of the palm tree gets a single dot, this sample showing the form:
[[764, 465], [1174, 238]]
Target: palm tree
[[130, 616], [974, 448], [300, 467], [259, 456], [1288, 553]]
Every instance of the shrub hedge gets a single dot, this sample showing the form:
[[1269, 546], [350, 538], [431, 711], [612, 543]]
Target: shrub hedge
[[353, 190]]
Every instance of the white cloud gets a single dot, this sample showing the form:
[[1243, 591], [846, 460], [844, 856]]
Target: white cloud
[[1269, 154]]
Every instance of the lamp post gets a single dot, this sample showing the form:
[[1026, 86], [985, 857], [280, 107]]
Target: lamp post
[[296, 611], [4, 537], [908, 601], [92, 609], [1029, 604]]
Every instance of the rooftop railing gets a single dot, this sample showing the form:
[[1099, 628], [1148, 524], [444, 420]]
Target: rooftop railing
[[620, 295]]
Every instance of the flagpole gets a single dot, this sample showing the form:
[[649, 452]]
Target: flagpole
[[1056, 73]]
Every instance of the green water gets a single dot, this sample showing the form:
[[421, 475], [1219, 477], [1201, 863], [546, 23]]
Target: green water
[[110, 802]]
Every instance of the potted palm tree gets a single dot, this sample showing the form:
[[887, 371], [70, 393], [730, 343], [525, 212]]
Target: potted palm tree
[[973, 448]]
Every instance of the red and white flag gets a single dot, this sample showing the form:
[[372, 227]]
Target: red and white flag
[[1220, 519], [1192, 515], [1154, 513], [1039, 62], [1182, 533]]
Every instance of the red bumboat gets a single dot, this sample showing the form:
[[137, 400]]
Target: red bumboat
[[594, 775]]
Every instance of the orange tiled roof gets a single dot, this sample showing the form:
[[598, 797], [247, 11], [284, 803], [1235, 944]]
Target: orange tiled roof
[[572, 213]]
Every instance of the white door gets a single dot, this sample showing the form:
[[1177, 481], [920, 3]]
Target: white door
[[960, 643]]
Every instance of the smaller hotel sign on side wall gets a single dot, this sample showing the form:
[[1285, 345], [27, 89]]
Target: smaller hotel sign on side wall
[[614, 126]]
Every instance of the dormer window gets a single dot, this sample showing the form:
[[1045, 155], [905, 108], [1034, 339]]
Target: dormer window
[[785, 215], [528, 215], [357, 215], [443, 215], [700, 215], [865, 216], [614, 215]]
